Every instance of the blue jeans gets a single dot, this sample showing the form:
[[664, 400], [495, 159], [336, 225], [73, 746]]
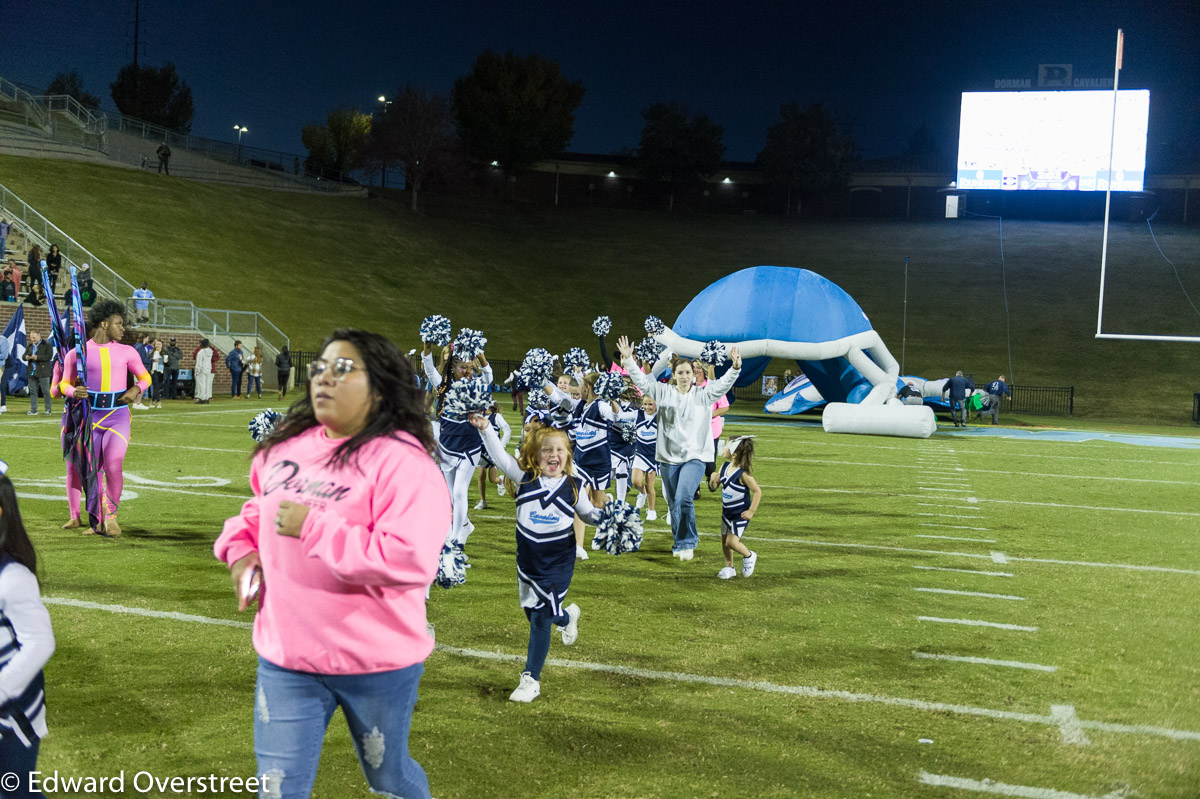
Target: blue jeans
[[252, 382], [235, 387], [292, 709], [680, 481]]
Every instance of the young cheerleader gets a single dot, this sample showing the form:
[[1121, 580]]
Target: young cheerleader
[[487, 469], [548, 498], [620, 447], [459, 445], [26, 643], [645, 467], [740, 496]]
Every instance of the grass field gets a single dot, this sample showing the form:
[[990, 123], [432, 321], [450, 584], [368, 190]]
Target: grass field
[[821, 676], [537, 276]]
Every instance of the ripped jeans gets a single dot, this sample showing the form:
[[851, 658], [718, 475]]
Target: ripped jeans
[[292, 709]]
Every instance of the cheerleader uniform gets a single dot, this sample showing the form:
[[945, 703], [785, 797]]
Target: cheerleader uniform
[[26, 643], [459, 450], [735, 499], [546, 509], [497, 421], [621, 449], [593, 459], [645, 441]]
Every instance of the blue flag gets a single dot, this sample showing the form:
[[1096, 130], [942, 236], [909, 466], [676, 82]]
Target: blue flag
[[15, 372]]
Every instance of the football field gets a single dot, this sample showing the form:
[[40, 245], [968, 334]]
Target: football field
[[991, 611]]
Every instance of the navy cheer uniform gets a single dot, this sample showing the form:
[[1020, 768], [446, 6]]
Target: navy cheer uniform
[[735, 499], [593, 458], [26, 643], [646, 431]]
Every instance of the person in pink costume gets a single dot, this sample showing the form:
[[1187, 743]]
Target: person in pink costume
[[339, 543], [109, 365], [74, 481]]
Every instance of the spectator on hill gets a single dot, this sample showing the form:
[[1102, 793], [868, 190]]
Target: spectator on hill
[[283, 370], [172, 359], [38, 355], [8, 291], [141, 303], [254, 372], [5, 227], [16, 277], [235, 362], [206, 361], [87, 290], [957, 387], [35, 297], [34, 259], [164, 156], [54, 265]]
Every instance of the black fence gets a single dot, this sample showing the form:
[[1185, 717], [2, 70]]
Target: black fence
[[1196, 408]]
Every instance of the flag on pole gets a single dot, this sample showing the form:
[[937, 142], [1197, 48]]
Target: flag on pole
[[13, 371], [77, 431]]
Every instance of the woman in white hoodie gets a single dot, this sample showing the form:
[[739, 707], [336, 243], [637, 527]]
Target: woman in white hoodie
[[684, 436]]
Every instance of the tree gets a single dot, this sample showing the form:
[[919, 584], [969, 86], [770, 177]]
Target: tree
[[514, 111], [71, 84], [678, 147], [809, 152], [416, 130], [339, 145], [154, 94]]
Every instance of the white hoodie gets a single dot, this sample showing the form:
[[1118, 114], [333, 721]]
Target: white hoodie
[[684, 420]]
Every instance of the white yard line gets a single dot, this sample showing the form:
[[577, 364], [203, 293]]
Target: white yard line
[[977, 623], [1012, 664], [963, 571], [969, 593], [1004, 789], [953, 526], [956, 538], [952, 515]]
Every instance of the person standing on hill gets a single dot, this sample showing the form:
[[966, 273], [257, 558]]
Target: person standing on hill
[[141, 302], [5, 227], [164, 156], [996, 389], [54, 266], [957, 387], [34, 259]]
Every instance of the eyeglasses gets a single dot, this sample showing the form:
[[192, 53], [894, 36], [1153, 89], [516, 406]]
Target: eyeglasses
[[341, 367]]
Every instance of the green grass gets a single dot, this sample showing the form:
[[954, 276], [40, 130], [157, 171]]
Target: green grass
[[536, 276], [825, 610]]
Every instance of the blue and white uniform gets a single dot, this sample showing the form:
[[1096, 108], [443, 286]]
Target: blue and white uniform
[[505, 432], [646, 440], [620, 449], [546, 509], [735, 499], [593, 458], [26, 643]]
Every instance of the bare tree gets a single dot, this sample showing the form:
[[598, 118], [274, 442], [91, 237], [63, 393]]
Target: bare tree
[[416, 130]]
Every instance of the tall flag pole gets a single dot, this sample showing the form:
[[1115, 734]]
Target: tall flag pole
[[82, 453], [1108, 189]]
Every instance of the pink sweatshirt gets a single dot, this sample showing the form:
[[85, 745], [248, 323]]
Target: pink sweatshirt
[[348, 596], [108, 366]]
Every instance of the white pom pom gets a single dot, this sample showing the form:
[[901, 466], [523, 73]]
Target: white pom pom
[[619, 528], [467, 396], [263, 424], [713, 353], [609, 386], [435, 329], [602, 325], [537, 367], [576, 358], [469, 344], [648, 350], [654, 325], [452, 567]]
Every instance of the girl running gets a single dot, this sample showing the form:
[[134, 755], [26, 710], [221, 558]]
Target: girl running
[[487, 469], [740, 496], [645, 467]]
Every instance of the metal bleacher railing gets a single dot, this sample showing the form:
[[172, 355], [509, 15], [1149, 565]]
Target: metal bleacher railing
[[164, 313]]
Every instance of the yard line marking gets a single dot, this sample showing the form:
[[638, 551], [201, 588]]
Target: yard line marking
[[1145, 730], [963, 571], [61, 485], [969, 593], [953, 526], [1000, 557], [942, 505], [977, 623], [1012, 664], [952, 515], [144, 444], [1072, 730], [956, 538], [1004, 789], [954, 490]]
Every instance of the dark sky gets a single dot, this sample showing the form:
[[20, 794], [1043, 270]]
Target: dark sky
[[276, 66]]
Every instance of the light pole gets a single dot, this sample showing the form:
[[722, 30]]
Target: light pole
[[384, 102], [240, 130]]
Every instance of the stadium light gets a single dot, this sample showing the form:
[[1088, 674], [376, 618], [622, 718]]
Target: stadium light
[[240, 130]]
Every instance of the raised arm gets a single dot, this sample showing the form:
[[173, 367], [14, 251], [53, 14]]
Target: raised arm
[[586, 510], [431, 373], [495, 450]]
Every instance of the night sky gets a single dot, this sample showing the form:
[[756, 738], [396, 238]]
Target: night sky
[[889, 67]]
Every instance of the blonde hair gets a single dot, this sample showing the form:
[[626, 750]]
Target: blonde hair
[[532, 445]]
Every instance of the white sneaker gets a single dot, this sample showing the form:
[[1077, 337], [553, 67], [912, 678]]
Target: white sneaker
[[571, 631], [686, 554], [748, 564], [728, 573], [141, 407], [500, 489], [580, 553], [667, 519], [651, 515], [527, 690], [641, 501], [481, 505], [3, 409]]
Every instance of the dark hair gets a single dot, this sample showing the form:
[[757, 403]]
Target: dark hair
[[401, 404], [204, 343], [447, 377], [14, 541], [102, 310], [35, 254], [744, 456]]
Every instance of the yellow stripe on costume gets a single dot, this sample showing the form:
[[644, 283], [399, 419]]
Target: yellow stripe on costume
[[105, 370]]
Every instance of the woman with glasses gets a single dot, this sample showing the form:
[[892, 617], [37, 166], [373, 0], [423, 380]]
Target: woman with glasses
[[339, 543]]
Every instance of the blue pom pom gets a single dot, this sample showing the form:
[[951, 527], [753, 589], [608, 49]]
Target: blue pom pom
[[713, 353], [619, 528], [648, 350], [609, 386], [467, 396], [436, 330], [628, 431], [537, 368], [263, 424], [538, 400], [469, 344], [576, 358], [602, 325], [654, 325], [452, 567]]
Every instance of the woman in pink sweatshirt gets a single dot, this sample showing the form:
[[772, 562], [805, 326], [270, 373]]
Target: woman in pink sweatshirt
[[340, 541]]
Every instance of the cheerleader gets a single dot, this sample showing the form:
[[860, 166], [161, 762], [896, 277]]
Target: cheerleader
[[487, 469], [459, 445], [620, 446], [548, 497], [645, 467], [26, 643], [740, 496]]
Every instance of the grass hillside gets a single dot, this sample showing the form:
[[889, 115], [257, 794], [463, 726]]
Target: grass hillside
[[537, 276]]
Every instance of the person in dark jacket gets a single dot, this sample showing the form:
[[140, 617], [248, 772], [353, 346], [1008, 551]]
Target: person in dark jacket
[[996, 389], [173, 357], [164, 157], [235, 362], [38, 355], [54, 266], [957, 387], [283, 369]]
